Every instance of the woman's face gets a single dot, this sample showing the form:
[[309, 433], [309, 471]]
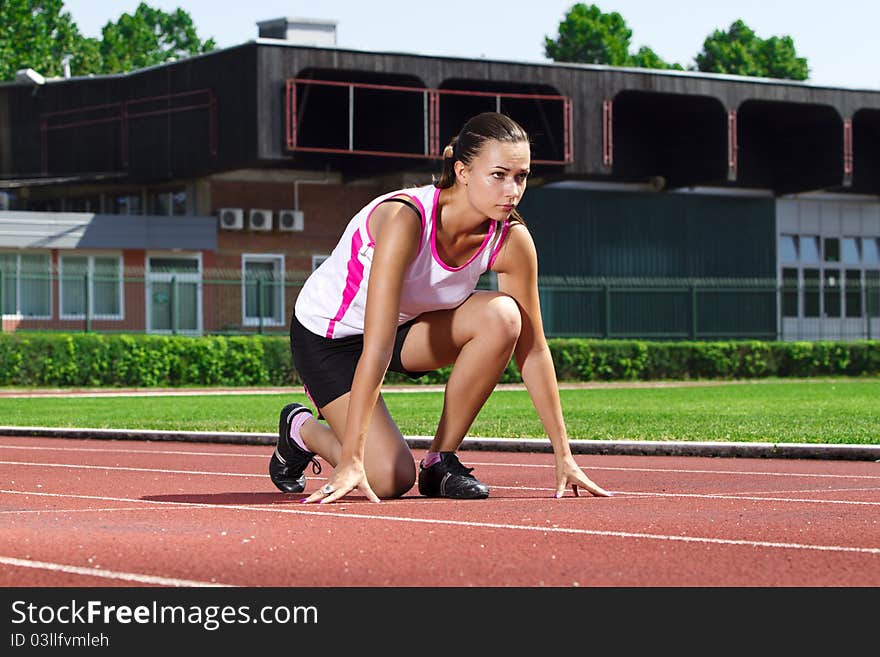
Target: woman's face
[[495, 180]]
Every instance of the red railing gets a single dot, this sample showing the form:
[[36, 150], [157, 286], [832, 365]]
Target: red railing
[[431, 106], [122, 112], [847, 149], [732, 146], [608, 132]]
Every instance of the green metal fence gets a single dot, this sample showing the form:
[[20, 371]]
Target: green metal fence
[[222, 302], [702, 309]]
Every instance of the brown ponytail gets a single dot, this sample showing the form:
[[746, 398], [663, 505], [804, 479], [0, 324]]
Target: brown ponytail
[[447, 174]]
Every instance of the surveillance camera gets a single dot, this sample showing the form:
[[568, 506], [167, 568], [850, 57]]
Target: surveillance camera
[[29, 76]]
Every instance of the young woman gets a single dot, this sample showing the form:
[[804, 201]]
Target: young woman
[[398, 292]]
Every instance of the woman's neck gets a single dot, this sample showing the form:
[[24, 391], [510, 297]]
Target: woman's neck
[[456, 217]]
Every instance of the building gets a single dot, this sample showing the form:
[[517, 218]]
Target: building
[[195, 196]]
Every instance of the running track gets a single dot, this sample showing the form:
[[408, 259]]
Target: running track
[[121, 513]]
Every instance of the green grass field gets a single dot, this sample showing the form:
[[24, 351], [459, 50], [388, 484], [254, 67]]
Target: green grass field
[[826, 411]]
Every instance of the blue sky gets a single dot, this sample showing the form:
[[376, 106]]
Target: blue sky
[[839, 39]]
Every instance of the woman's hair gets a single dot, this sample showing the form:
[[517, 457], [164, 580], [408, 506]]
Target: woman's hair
[[466, 145]]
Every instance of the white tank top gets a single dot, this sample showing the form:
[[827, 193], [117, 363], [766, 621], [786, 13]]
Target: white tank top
[[333, 299]]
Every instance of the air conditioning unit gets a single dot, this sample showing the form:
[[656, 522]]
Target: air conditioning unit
[[291, 220], [231, 218], [260, 219]]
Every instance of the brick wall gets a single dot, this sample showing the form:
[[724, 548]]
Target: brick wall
[[326, 208]]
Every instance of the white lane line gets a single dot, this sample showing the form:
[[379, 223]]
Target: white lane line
[[119, 467], [474, 463], [711, 496], [116, 508], [486, 525], [139, 451], [106, 574], [807, 490], [523, 488], [481, 464], [688, 471]]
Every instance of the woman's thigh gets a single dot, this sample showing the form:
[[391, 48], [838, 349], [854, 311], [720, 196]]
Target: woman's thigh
[[437, 337], [388, 460]]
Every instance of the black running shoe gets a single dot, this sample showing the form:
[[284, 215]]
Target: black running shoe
[[288, 463], [449, 478]]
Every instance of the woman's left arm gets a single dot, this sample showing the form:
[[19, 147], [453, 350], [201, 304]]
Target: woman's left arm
[[517, 269]]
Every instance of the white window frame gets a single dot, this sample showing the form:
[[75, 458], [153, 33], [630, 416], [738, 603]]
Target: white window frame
[[317, 259], [90, 258], [277, 259], [18, 314]]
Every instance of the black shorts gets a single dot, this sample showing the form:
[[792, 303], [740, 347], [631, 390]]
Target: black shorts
[[326, 365]]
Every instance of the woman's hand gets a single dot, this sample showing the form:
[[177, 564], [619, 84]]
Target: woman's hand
[[346, 477], [569, 472]]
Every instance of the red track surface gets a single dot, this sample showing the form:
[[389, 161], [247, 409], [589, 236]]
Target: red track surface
[[117, 513]]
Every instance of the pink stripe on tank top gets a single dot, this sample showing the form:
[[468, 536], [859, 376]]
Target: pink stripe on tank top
[[500, 243], [352, 282]]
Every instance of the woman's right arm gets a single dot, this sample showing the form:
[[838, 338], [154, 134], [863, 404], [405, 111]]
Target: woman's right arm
[[396, 230]]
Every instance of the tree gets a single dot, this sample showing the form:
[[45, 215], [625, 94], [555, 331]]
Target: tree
[[37, 34], [740, 51], [588, 35], [647, 58], [149, 37]]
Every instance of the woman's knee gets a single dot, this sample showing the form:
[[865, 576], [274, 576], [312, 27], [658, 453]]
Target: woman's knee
[[502, 319], [393, 479]]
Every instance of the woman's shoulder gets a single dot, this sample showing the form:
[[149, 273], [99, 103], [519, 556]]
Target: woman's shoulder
[[420, 193], [516, 248]]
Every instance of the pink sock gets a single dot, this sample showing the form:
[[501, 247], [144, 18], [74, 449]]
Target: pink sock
[[296, 424], [431, 458]]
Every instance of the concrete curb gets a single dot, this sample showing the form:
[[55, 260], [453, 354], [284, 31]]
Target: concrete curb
[[605, 447]]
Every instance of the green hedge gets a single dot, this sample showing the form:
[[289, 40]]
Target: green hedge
[[91, 359]]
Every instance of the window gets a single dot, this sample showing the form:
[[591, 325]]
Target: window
[[850, 251], [26, 289], [789, 292], [263, 294], [811, 292], [317, 260], [844, 287], [43, 205], [809, 246], [167, 203], [832, 249], [788, 248], [853, 292], [872, 292], [126, 204], [871, 251], [831, 293], [178, 203], [83, 204], [91, 285]]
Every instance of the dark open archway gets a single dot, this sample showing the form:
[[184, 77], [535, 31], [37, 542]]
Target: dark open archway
[[866, 151], [681, 138], [789, 147]]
